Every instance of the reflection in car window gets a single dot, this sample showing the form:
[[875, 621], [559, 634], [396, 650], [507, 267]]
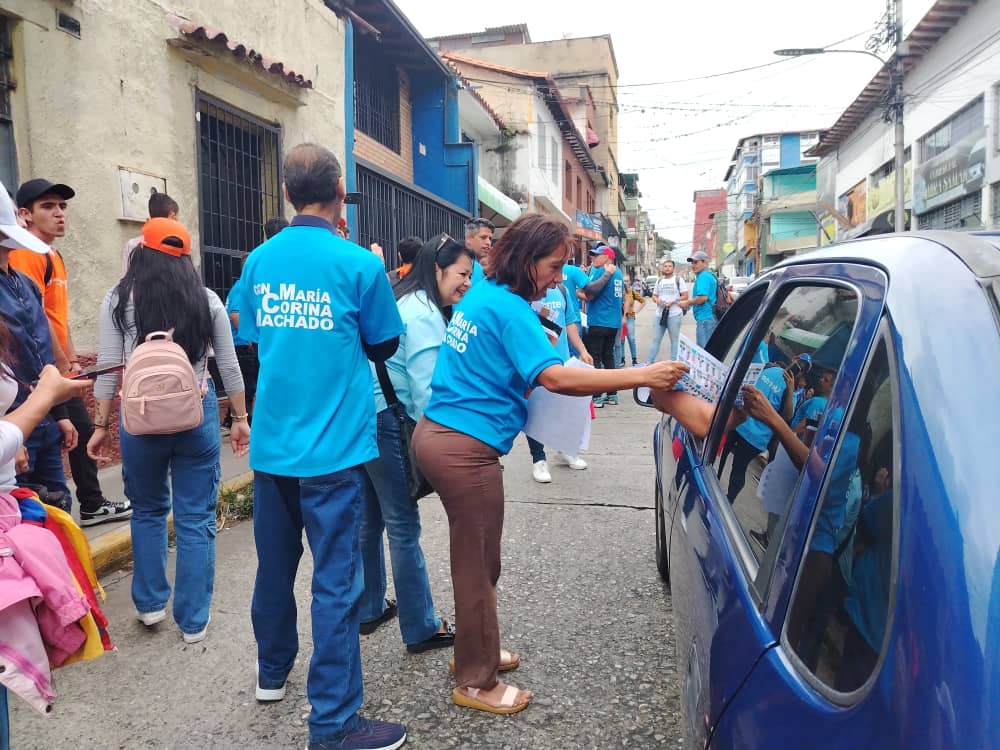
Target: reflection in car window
[[800, 355], [838, 615]]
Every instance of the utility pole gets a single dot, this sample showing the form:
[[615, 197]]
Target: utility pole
[[895, 12]]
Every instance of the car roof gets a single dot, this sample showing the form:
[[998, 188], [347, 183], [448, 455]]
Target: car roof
[[978, 251]]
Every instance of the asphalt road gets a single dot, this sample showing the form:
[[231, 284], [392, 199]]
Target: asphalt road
[[579, 597]]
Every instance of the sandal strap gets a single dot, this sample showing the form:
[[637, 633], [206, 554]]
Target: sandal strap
[[509, 696]]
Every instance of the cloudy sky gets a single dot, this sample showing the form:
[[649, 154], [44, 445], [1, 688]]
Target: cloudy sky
[[677, 133]]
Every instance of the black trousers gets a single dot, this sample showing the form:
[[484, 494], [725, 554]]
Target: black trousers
[[743, 453], [82, 466], [601, 345]]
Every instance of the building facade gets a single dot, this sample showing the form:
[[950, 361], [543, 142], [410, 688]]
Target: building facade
[[785, 218], [951, 120], [707, 203]]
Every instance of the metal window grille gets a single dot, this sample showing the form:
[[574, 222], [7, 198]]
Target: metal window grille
[[239, 188], [8, 154], [958, 213], [376, 95], [388, 212]]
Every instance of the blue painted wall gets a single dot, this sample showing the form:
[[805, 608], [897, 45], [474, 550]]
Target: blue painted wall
[[792, 225], [791, 150], [448, 167]]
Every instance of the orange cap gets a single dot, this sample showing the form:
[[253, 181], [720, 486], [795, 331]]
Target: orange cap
[[166, 235]]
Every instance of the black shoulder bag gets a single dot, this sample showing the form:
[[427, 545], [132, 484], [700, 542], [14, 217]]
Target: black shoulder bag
[[416, 482]]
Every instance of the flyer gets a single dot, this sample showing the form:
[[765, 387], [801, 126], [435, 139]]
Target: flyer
[[707, 375]]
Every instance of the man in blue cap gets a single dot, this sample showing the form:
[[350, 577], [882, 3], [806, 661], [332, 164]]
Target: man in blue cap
[[605, 312]]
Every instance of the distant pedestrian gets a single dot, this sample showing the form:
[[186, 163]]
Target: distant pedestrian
[[703, 297], [425, 297], [669, 292], [274, 225], [605, 312], [479, 239], [160, 206], [633, 297], [319, 308], [163, 291], [406, 253], [496, 350]]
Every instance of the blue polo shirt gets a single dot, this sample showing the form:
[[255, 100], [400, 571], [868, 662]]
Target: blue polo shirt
[[705, 284], [494, 350], [810, 410], [772, 384], [232, 307], [312, 299], [574, 279], [478, 274], [606, 308], [562, 313]]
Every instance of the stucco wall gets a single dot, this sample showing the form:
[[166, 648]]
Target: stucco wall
[[121, 96]]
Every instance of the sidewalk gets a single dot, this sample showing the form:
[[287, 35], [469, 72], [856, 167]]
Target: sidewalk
[[111, 543]]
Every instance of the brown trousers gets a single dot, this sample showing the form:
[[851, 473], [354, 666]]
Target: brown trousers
[[466, 474]]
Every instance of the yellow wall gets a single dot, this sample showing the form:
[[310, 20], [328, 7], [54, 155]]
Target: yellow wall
[[122, 96]]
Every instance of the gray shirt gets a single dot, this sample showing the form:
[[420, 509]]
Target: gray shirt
[[114, 346]]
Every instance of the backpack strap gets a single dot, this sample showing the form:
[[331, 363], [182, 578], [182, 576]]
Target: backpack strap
[[383, 380], [50, 267]]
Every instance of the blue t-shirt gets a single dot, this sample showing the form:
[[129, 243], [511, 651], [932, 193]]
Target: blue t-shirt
[[810, 410], [705, 284], [772, 384], [312, 299], [231, 307], [495, 348], [562, 313], [761, 357], [478, 274], [606, 308], [574, 279]]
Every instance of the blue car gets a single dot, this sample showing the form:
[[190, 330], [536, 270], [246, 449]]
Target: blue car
[[834, 559]]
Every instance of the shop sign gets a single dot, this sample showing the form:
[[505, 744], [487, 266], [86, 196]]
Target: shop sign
[[952, 174]]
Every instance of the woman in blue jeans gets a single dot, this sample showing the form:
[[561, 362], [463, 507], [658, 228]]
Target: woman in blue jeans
[[162, 291], [440, 276]]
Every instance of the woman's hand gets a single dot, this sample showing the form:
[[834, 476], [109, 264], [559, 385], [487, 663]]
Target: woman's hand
[[663, 374], [586, 358], [239, 437], [757, 406], [51, 384], [97, 445]]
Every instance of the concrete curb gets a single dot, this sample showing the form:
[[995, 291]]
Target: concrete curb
[[110, 551]]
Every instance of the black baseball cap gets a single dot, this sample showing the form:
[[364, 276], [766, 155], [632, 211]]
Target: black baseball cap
[[32, 190]]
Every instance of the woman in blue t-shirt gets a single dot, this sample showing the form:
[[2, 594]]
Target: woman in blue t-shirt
[[440, 276], [495, 352]]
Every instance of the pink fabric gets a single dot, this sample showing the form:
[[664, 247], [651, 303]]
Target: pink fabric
[[24, 668], [37, 559]]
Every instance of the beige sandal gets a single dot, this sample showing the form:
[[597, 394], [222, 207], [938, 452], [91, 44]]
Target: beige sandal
[[509, 703], [508, 661]]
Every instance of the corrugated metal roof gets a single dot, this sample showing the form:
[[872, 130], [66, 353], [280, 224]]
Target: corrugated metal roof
[[937, 22], [510, 29], [216, 37]]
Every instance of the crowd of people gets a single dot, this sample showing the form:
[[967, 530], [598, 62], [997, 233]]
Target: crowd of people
[[423, 371]]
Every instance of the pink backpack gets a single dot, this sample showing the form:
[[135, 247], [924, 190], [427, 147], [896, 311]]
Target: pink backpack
[[160, 392]]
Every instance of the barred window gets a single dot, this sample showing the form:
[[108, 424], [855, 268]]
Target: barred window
[[954, 129], [8, 161], [964, 212], [376, 94]]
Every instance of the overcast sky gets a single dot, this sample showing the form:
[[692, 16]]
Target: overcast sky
[[679, 136]]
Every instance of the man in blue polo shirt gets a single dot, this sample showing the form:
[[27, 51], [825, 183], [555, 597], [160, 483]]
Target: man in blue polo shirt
[[702, 298], [605, 312], [319, 307], [479, 239]]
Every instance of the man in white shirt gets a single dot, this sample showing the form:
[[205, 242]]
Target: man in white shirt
[[669, 291]]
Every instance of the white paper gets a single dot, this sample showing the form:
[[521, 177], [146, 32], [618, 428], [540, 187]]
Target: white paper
[[707, 374], [753, 373], [559, 422]]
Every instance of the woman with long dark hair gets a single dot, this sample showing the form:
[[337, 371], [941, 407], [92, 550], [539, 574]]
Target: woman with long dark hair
[[496, 351], [439, 278], [162, 291]]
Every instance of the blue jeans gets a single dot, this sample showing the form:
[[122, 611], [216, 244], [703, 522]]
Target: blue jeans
[[537, 450], [45, 466], [673, 327], [630, 337], [619, 350], [704, 330], [328, 507], [388, 507], [179, 471]]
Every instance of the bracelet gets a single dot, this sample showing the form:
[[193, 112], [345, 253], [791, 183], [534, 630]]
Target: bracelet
[[99, 426], [238, 417]]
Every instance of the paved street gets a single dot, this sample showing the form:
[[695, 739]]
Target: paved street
[[579, 599]]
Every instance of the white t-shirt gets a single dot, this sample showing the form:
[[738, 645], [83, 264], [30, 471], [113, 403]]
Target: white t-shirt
[[11, 438], [669, 291]]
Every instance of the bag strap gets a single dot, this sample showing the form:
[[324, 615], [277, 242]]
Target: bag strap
[[386, 383], [50, 268]]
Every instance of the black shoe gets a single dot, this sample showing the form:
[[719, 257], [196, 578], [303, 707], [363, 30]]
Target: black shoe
[[390, 611], [438, 640], [369, 734], [106, 512], [761, 537]]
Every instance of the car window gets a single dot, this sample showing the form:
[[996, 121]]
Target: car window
[[839, 610], [798, 356]]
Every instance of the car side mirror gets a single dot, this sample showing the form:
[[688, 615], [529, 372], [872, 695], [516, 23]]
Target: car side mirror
[[643, 395]]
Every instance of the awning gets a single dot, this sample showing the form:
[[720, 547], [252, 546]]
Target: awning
[[544, 205], [501, 205]]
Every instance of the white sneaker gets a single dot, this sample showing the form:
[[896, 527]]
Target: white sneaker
[[199, 636], [149, 619], [540, 472], [267, 695], [574, 462]]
